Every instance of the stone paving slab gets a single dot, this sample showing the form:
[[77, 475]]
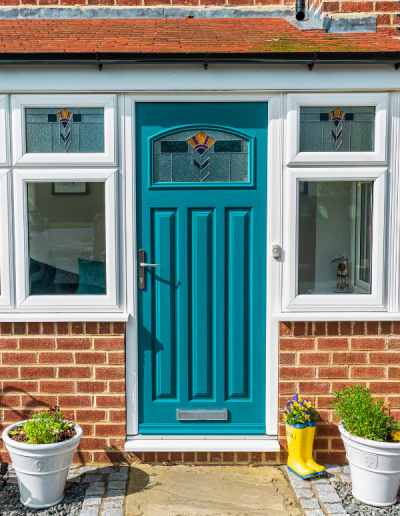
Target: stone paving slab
[[209, 491]]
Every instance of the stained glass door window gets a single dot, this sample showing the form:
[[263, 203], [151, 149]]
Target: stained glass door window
[[64, 130], [201, 156], [337, 129]]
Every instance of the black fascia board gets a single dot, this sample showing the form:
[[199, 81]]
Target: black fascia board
[[175, 58]]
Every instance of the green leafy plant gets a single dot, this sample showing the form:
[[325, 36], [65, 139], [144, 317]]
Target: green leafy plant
[[45, 428], [299, 412], [363, 416]]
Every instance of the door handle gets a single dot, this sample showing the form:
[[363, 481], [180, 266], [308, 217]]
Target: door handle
[[142, 265]]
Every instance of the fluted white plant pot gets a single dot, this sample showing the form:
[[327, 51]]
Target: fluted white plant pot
[[374, 468], [41, 469]]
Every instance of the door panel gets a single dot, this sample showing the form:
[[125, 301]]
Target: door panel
[[201, 214]]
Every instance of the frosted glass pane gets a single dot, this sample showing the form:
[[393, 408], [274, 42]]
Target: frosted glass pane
[[67, 239], [206, 156], [335, 129], [51, 130], [335, 237]]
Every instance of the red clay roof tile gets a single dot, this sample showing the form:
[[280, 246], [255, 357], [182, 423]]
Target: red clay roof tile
[[244, 35]]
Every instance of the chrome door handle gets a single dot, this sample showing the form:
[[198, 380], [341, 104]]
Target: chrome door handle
[[142, 265]]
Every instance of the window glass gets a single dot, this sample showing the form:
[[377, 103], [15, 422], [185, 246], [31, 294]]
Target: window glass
[[335, 237], [67, 238], [337, 129], [194, 156], [53, 130]]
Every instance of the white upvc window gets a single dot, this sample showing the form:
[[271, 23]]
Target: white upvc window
[[51, 129], [331, 227], [69, 262], [334, 202], [360, 123], [59, 193]]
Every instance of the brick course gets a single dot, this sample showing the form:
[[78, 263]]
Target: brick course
[[78, 366], [342, 353], [81, 367]]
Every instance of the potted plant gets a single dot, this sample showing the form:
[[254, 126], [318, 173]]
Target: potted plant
[[372, 441], [41, 450], [301, 419]]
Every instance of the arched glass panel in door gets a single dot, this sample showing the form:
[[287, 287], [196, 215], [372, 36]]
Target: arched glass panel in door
[[201, 155]]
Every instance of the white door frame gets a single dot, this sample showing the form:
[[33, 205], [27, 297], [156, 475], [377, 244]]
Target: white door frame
[[267, 442]]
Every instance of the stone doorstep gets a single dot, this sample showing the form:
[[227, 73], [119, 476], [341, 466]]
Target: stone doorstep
[[318, 497]]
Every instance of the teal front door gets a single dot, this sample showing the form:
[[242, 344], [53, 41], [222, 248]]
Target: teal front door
[[201, 217]]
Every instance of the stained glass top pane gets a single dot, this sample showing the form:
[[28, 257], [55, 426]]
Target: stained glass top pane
[[64, 130], [337, 129], [201, 155]]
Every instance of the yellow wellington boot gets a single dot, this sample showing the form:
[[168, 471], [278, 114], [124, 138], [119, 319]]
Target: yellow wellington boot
[[310, 433], [296, 439]]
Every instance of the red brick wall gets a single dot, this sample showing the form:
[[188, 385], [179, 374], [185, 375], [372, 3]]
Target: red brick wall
[[80, 367], [317, 358], [386, 12]]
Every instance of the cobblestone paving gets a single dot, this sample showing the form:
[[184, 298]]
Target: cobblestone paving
[[331, 495], [93, 491], [319, 497]]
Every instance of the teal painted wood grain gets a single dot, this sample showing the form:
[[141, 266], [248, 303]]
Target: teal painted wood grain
[[202, 317]]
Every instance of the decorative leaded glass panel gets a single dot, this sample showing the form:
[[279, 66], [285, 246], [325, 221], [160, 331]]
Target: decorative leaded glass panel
[[52, 130], [335, 129], [199, 155]]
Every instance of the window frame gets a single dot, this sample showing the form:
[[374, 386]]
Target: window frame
[[106, 101], [65, 303], [296, 101], [4, 130], [291, 300], [6, 255]]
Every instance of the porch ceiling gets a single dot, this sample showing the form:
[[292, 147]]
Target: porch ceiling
[[184, 37]]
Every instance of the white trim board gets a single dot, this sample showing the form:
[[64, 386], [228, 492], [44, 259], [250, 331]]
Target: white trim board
[[225, 444], [192, 77]]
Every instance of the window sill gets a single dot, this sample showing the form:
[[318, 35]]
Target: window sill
[[199, 443], [64, 316], [338, 316]]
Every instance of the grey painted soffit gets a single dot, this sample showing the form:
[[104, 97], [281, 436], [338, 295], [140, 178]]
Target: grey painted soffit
[[314, 20]]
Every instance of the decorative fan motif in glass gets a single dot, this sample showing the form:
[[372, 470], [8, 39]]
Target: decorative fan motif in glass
[[66, 130], [205, 156], [335, 129]]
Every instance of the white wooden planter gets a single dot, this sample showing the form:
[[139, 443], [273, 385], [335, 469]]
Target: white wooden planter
[[41, 469], [374, 468]]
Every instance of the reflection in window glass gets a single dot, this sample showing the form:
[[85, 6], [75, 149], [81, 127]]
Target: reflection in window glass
[[53, 130], [67, 238], [197, 156], [335, 237], [337, 129]]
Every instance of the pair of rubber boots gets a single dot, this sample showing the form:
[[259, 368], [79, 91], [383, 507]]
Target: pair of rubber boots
[[300, 446]]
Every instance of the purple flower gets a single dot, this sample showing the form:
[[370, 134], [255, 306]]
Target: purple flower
[[295, 397]]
